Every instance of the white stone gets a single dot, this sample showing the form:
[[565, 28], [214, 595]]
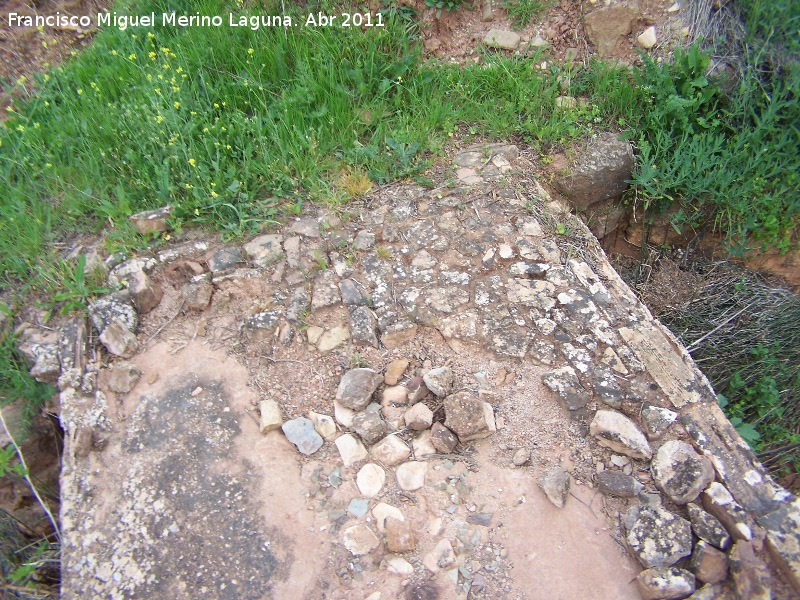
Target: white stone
[[271, 417], [370, 480], [360, 540], [617, 432], [351, 449], [343, 414], [441, 557], [411, 475], [418, 417], [422, 444], [391, 450], [313, 333], [333, 338], [323, 424], [382, 511], [647, 39], [399, 566]]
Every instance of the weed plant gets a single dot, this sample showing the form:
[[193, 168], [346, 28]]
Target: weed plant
[[524, 12]]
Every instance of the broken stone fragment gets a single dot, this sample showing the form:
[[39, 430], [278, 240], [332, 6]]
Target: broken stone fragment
[[555, 484], [441, 557], [145, 293], [399, 536], [323, 425], [665, 583], [396, 395], [360, 540], [370, 480], [411, 475], [264, 320], [113, 307], [680, 472], [399, 566], [152, 221], [265, 249], [751, 575], [333, 338], [271, 417], [648, 38], [439, 381], [708, 528], [364, 326], [564, 382], [657, 537], [617, 432], [301, 433], [225, 258], [197, 294], [356, 388], [443, 440], [325, 291], [119, 341], [46, 367], [469, 417], [719, 502], [382, 511], [708, 564], [502, 40], [656, 420], [351, 449], [390, 451], [616, 483], [417, 390], [394, 370], [369, 426], [351, 293], [123, 376], [418, 417]]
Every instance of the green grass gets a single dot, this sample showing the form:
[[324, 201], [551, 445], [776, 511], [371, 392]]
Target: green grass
[[524, 12]]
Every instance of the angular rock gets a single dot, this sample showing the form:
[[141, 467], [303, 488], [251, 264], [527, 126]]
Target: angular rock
[[422, 445], [351, 449], [383, 511], [390, 451], [443, 439], [145, 293], [352, 294], [782, 527], [370, 480], [708, 528], [399, 566], [302, 434], [395, 338], [418, 417], [325, 291], [502, 40], [608, 27], [307, 227], [323, 425], [468, 417], [46, 367], [439, 381], [411, 475], [358, 507], [356, 388], [441, 557], [521, 456], [555, 484], [364, 326], [665, 583], [364, 240], [119, 341], [264, 250], [680, 472], [396, 395], [298, 305], [197, 294], [648, 38], [151, 221], [264, 320], [113, 307], [123, 376], [343, 415], [271, 417], [599, 173], [399, 536], [565, 383], [395, 370], [656, 537], [360, 540], [616, 483], [751, 576], [617, 432], [708, 564], [417, 390], [656, 420], [605, 385], [369, 426], [225, 258], [719, 502], [333, 338], [708, 592]]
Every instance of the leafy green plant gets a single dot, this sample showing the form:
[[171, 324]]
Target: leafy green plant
[[447, 5], [77, 289], [524, 12]]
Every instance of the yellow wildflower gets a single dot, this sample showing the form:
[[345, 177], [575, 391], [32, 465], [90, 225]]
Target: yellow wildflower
[[192, 162], [177, 105]]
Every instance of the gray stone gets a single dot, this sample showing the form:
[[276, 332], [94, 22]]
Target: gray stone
[[71, 343], [225, 258], [390, 451], [271, 417], [680, 472], [396, 395], [565, 383], [502, 40], [599, 173], [123, 376], [399, 536], [528, 270], [513, 341], [370, 480], [197, 294], [307, 227], [364, 326], [360, 540], [520, 457], [369, 426], [608, 27], [185, 250], [418, 417], [555, 484], [46, 367], [484, 519], [782, 527], [364, 240], [351, 449], [145, 293], [469, 417], [443, 440], [356, 388], [439, 381], [119, 341], [152, 221], [325, 291], [352, 294], [532, 293], [604, 217], [719, 502], [656, 420], [302, 434], [263, 320], [298, 305], [616, 483], [708, 528], [265, 249], [605, 385], [709, 592], [399, 566], [411, 475], [113, 307], [617, 432], [459, 326], [708, 564], [445, 300], [665, 583], [358, 507], [751, 576], [656, 537]]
